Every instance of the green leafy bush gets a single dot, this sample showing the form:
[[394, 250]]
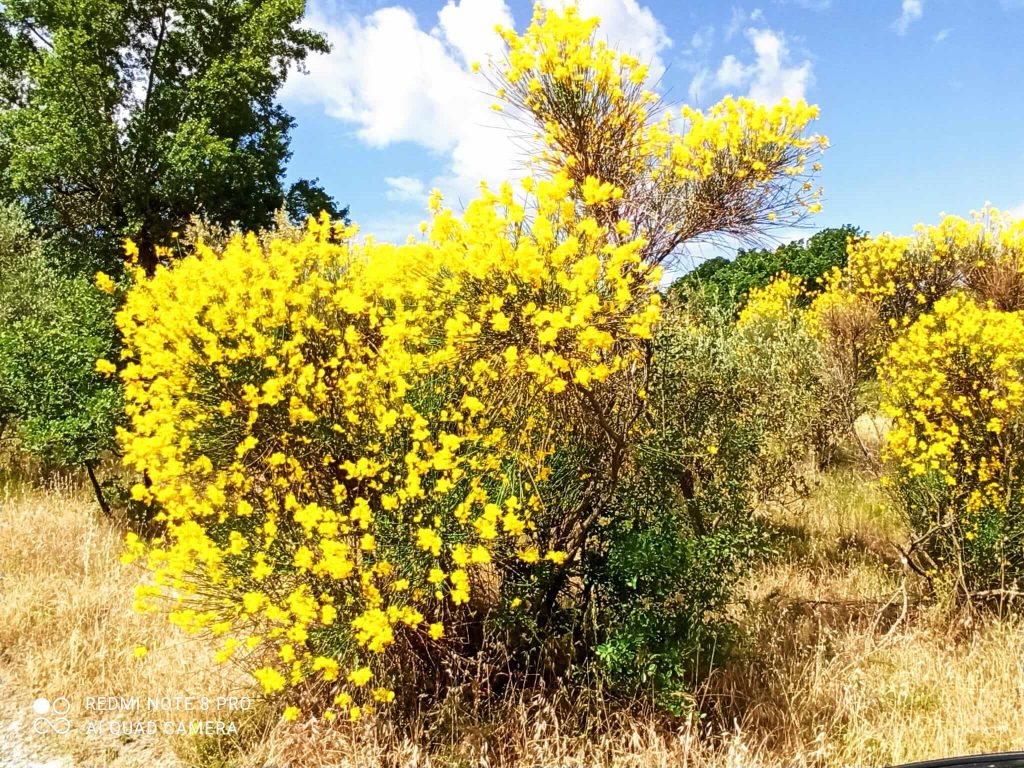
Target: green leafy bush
[[53, 328], [731, 412]]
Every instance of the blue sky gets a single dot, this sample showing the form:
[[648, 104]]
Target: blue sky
[[923, 100]]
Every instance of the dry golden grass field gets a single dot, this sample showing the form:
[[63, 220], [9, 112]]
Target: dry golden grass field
[[839, 667]]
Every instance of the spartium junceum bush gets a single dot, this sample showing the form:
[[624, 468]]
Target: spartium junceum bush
[[383, 470], [889, 280], [953, 383], [941, 313]]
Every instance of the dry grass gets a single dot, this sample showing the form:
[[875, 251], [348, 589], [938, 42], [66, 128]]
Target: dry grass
[[822, 681], [67, 628]]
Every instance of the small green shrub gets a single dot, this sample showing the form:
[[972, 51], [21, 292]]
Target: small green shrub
[[730, 414]]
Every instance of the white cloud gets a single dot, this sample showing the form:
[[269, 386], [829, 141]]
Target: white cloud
[[731, 74], [941, 35], [768, 79], [391, 79], [912, 10], [405, 189], [468, 25], [395, 81], [773, 79], [1016, 211], [630, 28], [697, 87]]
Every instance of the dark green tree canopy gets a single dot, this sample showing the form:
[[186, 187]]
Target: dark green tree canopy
[[307, 198], [726, 282], [121, 118]]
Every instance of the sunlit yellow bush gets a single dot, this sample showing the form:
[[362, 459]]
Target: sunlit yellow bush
[[953, 384], [904, 276], [775, 301], [363, 453], [346, 439], [891, 281]]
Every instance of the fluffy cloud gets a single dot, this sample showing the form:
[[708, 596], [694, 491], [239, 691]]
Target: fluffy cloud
[[769, 78], [701, 41], [911, 11], [631, 28], [405, 189], [394, 81]]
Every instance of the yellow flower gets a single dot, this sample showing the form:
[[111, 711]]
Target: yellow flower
[[360, 676], [529, 555], [271, 680], [104, 282], [383, 695], [291, 713], [105, 367], [428, 539]]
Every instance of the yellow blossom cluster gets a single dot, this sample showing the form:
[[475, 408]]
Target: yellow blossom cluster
[[953, 383], [775, 301], [904, 276], [345, 439], [740, 138], [738, 165]]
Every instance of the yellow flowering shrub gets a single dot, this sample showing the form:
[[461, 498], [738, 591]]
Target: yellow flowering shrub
[[363, 453], [904, 276], [953, 384], [345, 440], [891, 281], [671, 177]]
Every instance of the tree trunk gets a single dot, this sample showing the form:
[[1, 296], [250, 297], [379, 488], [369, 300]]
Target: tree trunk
[[104, 507]]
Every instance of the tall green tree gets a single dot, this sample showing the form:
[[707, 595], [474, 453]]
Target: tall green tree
[[121, 118]]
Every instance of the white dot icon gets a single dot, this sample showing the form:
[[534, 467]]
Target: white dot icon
[[41, 706]]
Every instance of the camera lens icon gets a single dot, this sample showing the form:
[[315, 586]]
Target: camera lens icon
[[51, 716]]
